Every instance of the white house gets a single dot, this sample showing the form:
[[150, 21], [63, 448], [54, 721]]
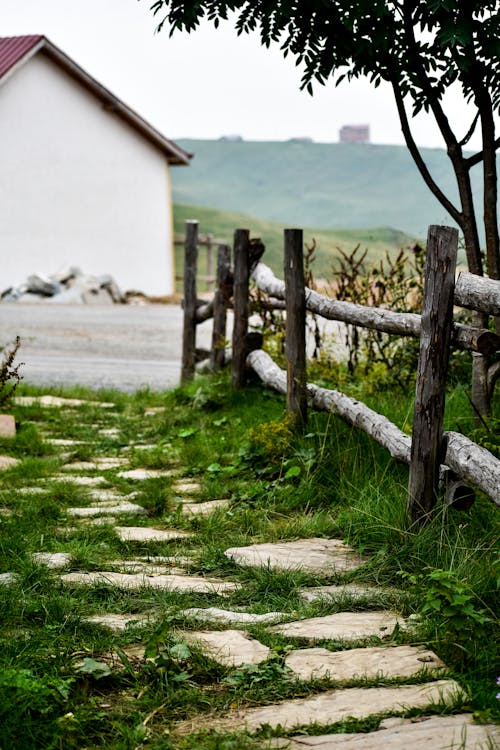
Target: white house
[[84, 180]]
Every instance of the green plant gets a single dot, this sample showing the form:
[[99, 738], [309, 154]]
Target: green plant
[[448, 604], [23, 689], [394, 284], [249, 676], [269, 445], [9, 373]]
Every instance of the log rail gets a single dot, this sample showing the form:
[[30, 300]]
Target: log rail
[[454, 460]]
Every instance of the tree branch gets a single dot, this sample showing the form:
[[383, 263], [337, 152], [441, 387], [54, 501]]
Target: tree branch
[[417, 158], [471, 130], [478, 158]]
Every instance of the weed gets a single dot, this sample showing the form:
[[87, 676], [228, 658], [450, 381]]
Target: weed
[[9, 373]]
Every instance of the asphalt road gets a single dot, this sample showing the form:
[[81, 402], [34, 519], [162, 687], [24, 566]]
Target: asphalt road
[[116, 346]]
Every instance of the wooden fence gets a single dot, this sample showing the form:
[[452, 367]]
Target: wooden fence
[[439, 462], [208, 242]]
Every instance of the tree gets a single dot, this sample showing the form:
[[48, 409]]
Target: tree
[[421, 48]]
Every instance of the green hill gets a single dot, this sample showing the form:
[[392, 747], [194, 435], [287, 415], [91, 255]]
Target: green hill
[[316, 184], [221, 224]]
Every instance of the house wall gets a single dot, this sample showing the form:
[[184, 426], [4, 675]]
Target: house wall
[[78, 186]]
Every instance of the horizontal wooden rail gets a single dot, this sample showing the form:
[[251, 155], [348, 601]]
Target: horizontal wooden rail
[[402, 324], [478, 293], [466, 459]]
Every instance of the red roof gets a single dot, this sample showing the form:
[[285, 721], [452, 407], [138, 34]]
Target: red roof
[[14, 48], [17, 50]]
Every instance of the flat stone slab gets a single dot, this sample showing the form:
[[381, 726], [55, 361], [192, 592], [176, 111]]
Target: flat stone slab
[[31, 490], [109, 510], [65, 441], [141, 474], [82, 481], [148, 534], [422, 733], [372, 663], [109, 432], [142, 566], [118, 622], [229, 617], [6, 579], [334, 593], [136, 581], [310, 555], [53, 560], [58, 402], [203, 509], [7, 426], [336, 705], [186, 488], [99, 464], [342, 626], [231, 648], [7, 462], [111, 497]]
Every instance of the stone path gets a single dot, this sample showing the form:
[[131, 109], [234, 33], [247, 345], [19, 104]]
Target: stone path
[[337, 668]]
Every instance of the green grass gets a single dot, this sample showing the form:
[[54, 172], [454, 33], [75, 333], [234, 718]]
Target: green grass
[[237, 447], [318, 184], [221, 224]]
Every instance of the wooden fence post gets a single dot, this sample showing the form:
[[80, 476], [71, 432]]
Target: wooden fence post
[[210, 261], [217, 355], [189, 329], [240, 297], [437, 320], [296, 395]]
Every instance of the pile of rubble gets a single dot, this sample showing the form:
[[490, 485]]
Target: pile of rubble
[[70, 286]]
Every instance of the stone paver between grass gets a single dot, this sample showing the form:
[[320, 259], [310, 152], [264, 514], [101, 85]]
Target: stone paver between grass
[[423, 733], [310, 555], [333, 706], [137, 581], [347, 626], [370, 663]]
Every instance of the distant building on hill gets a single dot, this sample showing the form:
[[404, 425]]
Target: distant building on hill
[[354, 134], [232, 138]]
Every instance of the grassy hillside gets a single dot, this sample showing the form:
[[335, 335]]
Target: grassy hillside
[[221, 224], [316, 184]]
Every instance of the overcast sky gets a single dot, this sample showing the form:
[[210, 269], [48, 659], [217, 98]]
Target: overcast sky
[[211, 82]]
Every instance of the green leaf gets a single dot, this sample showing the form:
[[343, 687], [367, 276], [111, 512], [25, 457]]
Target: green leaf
[[180, 651], [187, 433], [293, 471], [94, 668]]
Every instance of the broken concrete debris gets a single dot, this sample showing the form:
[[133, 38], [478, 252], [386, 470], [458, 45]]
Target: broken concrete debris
[[69, 286]]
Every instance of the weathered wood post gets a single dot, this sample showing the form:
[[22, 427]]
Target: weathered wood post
[[295, 340], [189, 329], [240, 297], [221, 299], [435, 337]]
